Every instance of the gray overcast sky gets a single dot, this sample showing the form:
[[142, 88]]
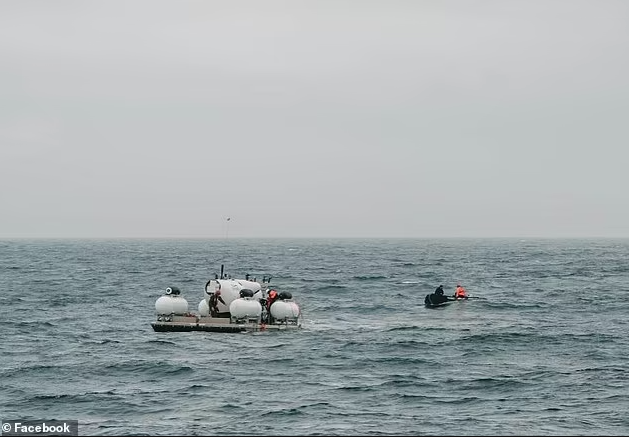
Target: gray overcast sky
[[314, 118]]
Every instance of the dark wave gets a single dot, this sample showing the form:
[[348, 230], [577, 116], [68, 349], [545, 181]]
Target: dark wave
[[148, 367], [369, 278], [328, 288]]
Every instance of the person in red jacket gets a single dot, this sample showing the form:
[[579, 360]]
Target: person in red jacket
[[272, 298], [460, 292]]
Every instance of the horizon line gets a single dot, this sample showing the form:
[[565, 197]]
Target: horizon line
[[4, 238]]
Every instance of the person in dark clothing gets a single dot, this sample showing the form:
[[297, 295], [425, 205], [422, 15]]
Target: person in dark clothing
[[437, 297], [215, 298]]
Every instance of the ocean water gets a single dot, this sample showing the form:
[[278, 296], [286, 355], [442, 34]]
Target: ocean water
[[543, 351]]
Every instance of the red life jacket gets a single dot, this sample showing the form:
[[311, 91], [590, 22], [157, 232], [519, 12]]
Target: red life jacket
[[460, 292], [272, 298]]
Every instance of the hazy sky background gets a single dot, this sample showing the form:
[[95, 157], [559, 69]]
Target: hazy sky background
[[314, 118]]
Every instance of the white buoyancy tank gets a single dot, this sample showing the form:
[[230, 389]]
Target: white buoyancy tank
[[245, 308], [204, 308], [171, 304], [251, 285], [285, 309]]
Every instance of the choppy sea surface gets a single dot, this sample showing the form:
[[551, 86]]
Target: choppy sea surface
[[544, 350]]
